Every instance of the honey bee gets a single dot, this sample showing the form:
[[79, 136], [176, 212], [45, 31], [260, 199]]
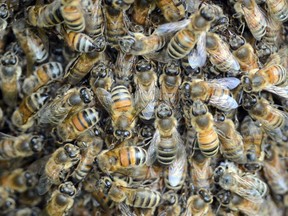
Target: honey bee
[[145, 80], [80, 42], [202, 121], [78, 123], [261, 110], [166, 145], [119, 192], [58, 109], [278, 10], [18, 180], [175, 174], [121, 158], [219, 54], [22, 146], [201, 171], [43, 74], [254, 17], [253, 140], [196, 205], [171, 10], [170, 82], [73, 15], [47, 15], [60, 162], [141, 11], [170, 206], [5, 14], [215, 93], [32, 45], [244, 54], [232, 147], [115, 25], [94, 25], [275, 172], [7, 203], [79, 67], [238, 203], [10, 73], [246, 185], [120, 107], [185, 39], [23, 116], [273, 30], [272, 78], [91, 143], [62, 200], [101, 77], [139, 44]]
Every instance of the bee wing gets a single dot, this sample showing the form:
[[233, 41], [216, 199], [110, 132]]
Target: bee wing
[[280, 91], [151, 152], [197, 57], [6, 136], [224, 102], [44, 184], [105, 99], [178, 166], [125, 209], [228, 82], [171, 27]]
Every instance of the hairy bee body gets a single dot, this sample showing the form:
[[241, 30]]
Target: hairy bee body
[[79, 67], [197, 206], [94, 17], [275, 173], [172, 10], [141, 11], [22, 146], [80, 42], [73, 126], [62, 200], [43, 74], [261, 110], [254, 17], [124, 157], [115, 26], [22, 117], [202, 121], [136, 197], [73, 15], [184, 40], [232, 146], [10, 72], [47, 15], [219, 54], [243, 205], [278, 9], [60, 162], [19, 180]]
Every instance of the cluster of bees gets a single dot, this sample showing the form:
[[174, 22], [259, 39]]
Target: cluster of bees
[[143, 107]]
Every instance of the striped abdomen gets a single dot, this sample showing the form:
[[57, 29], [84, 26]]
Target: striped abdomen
[[121, 98], [73, 18], [84, 120], [131, 156], [45, 16], [255, 21], [81, 42], [181, 44], [208, 142], [167, 150], [115, 26], [278, 9], [276, 74], [142, 198]]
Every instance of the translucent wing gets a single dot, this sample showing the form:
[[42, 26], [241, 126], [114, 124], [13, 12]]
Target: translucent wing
[[178, 167], [44, 184], [153, 148], [224, 102], [197, 57], [171, 27], [125, 209], [105, 99], [279, 91], [229, 82], [6, 136]]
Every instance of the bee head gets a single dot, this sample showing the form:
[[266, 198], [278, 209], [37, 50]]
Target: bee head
[[36, 143], [126, 43], [67, 188]]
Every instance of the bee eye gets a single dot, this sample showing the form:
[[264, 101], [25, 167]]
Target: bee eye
[[102, 74], [85, 95], [118, 132], [126, 133]]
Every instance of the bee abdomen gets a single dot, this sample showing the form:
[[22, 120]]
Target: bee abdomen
[[208, 143], [85, 119], [132, 156], [121, 98], [144, 198]]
